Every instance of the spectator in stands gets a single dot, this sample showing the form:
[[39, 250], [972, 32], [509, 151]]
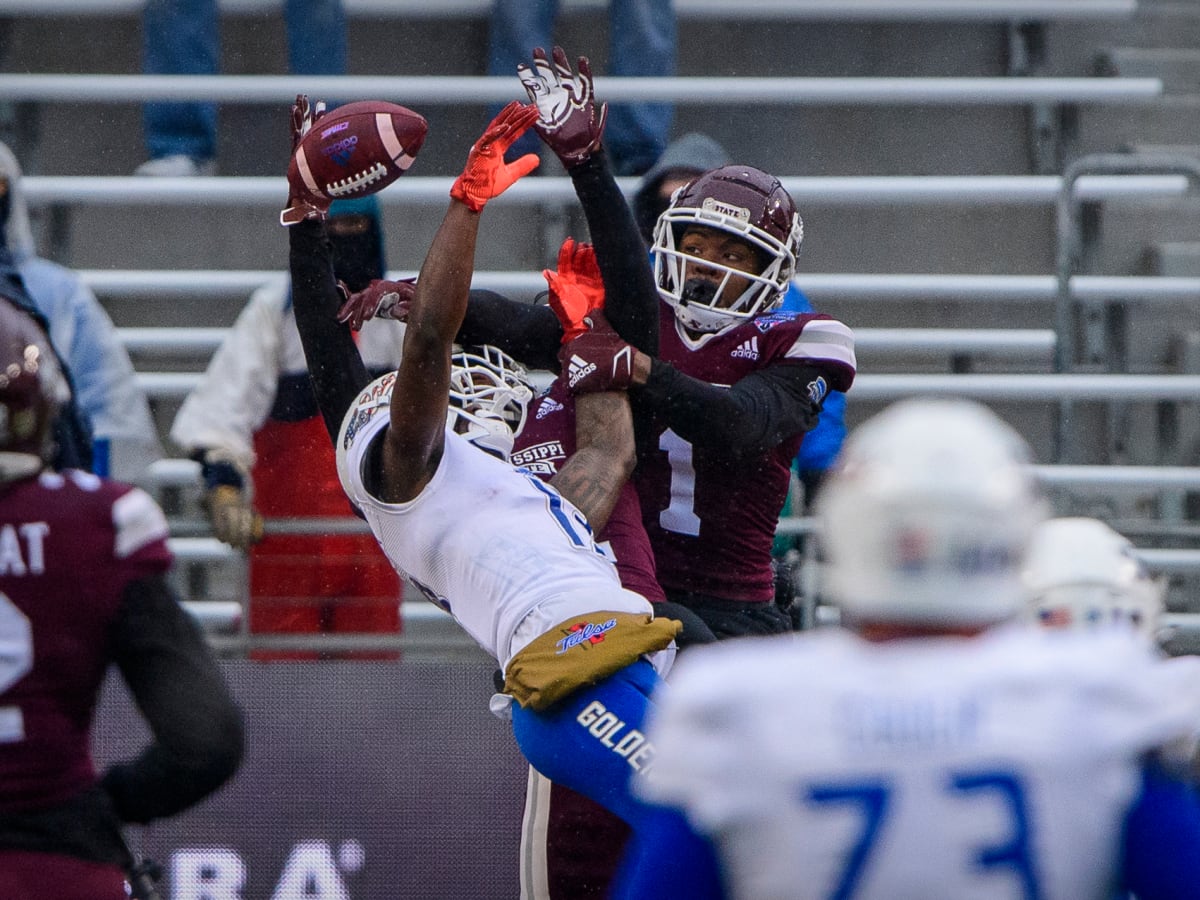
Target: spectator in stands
[[83, 588], [254, 425], [642, 43], [125, 438], [182, 37], [925, 750]]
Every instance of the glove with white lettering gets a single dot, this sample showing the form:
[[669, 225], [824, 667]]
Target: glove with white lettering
[[597, 360], [234, 520], [567, 121], [302, 203], [381, 299], [486, 175], [576, 288]]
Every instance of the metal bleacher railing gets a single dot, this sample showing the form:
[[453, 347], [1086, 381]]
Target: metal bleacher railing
[[819, 10]]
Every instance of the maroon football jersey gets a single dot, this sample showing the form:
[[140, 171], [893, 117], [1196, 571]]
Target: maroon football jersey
[[70, 543], [545, 442], [711, 519]]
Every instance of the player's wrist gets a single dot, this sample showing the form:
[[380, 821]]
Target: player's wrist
[[642, 365]]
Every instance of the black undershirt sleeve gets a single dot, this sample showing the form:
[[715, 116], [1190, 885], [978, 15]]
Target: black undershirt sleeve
[[334, 364], [747, 419], [631, 299], [197, 727], [529, 333]]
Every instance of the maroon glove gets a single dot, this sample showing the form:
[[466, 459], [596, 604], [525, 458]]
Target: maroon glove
[[567, 119], [378, 300], [302, 203], [597, 360]]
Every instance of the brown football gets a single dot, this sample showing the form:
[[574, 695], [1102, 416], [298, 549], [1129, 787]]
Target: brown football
[[357, 149]]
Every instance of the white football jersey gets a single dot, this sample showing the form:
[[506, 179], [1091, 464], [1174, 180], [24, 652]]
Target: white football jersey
[[994, 767], [492, 545]]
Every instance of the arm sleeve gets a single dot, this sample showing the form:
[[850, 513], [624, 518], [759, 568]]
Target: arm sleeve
[[631, 299], [197, 728], [1162, 834], [334, 364], [529, 333], [751, 417]]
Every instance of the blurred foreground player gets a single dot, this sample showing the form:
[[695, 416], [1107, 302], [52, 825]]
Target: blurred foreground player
[[927, 749], [423, 453], [83, 563]]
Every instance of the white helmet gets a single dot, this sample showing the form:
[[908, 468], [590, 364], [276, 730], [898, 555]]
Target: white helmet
[[1082, 574], [489, 393], [928, 516]]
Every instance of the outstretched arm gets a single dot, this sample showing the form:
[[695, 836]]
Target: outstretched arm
[[413, 443], [571, 123], [334, 365]]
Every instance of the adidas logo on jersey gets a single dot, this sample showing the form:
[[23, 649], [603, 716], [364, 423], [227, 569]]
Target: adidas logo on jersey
[[578, 368], [747, 349], [548, 405]]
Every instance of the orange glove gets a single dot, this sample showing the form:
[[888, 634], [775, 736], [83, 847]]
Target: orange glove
[[486, 174], [576, 288]]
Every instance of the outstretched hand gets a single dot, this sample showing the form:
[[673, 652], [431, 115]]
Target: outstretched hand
[[597, 360], [567, 121], [302, 203], [381, 299], [576, 288], [486, 174]]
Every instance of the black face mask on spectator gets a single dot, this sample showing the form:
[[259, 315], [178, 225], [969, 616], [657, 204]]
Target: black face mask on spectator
[[356, 236]]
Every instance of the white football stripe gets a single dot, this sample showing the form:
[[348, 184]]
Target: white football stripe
[[306, 174], [824, 339], [387, 133]]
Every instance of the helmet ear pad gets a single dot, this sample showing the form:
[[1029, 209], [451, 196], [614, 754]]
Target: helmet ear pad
[[744, 202]]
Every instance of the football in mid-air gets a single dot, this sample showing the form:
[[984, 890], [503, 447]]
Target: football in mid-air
[[357, 149]]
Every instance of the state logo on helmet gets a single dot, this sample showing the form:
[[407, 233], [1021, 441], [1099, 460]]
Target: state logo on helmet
[[33, 389], [743, 202]]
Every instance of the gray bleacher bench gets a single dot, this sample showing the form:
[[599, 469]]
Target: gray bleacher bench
[[803, 10]]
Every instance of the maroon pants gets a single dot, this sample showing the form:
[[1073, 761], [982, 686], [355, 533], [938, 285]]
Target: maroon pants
[[570, 845], [38, 876]]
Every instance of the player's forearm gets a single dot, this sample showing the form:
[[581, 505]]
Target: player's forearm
[[529, 334], [631, 299], [439, 303], [604, 457], [334, 364], [748, 418]]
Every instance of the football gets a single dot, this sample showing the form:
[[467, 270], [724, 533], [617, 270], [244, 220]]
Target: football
[[357, 149]]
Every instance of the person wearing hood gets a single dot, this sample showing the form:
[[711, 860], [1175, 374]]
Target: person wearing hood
[[254, 426], [109, 417]]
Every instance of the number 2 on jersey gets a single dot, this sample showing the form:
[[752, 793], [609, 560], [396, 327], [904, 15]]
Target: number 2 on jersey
[[16, 659], [874, 801]]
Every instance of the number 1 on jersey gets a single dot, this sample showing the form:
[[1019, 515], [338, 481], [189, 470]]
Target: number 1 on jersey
[[680, 514]]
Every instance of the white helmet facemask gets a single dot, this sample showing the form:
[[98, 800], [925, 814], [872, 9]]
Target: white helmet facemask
[[489, 395]]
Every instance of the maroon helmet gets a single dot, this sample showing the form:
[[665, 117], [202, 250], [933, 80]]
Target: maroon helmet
[[749, 204], [32, 389]]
